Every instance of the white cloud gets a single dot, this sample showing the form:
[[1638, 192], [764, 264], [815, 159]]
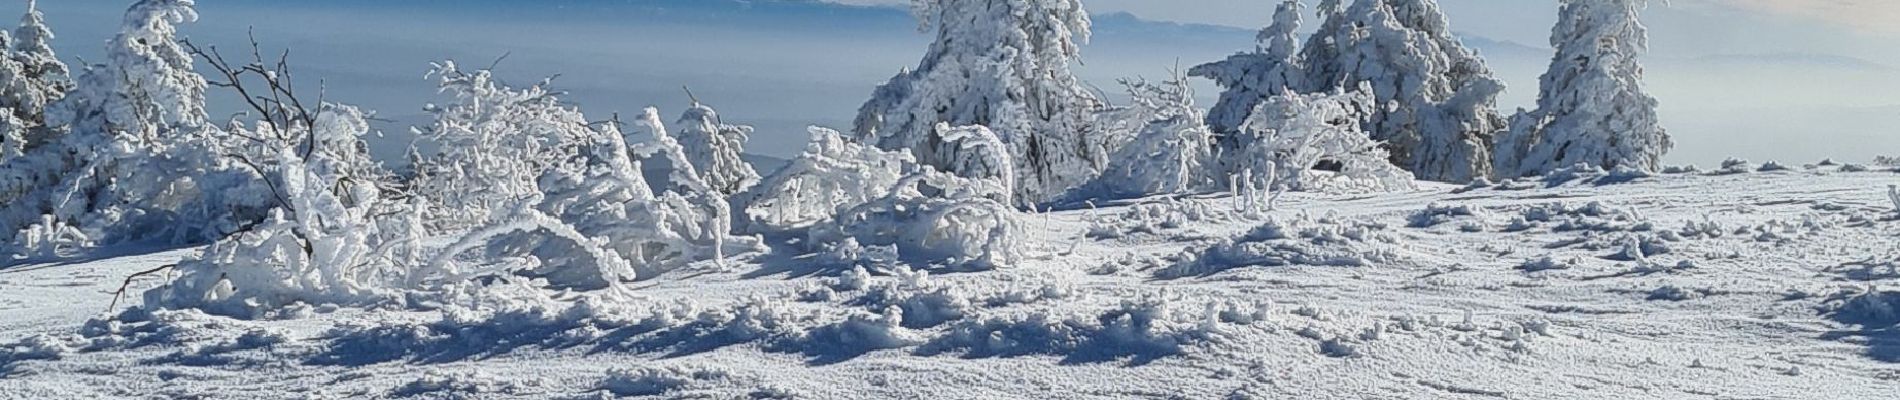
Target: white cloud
[[1875, 16]]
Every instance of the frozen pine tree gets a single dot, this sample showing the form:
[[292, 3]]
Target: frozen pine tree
[[1271, 69], [139, 160], [1436, 99], [716, 150], [44, 76], [1003, 64], [1592, 108]]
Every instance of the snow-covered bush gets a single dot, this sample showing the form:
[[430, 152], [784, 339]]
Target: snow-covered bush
[[333, 239], [597, 222], [830, 176], [1314, 242], [716, 150], [934, 218], [1312, 143], [493, 143], [1436, 99], [1170, 152], [1272, 69], [1002, 64], [841, 194], [1592, 108]]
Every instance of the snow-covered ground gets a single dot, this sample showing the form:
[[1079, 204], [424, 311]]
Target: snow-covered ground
[[1688, 286]]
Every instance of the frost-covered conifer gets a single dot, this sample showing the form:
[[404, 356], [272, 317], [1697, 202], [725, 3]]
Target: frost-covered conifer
[[44, 77], [139, 160], [1592, 108], [716, 150], [1002, 64], [1170, 153], [1249, 78], [1314, 142], [1436, 98]]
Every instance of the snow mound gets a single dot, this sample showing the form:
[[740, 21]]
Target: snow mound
[[1871, 309], [1302, 242], [1139, 329]]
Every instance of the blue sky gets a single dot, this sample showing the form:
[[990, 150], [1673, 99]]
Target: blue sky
[[1761, 79]]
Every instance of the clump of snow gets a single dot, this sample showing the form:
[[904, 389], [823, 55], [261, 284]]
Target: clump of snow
[[1871, 308], [1548, 263], [1155, 218], [1591, 217], [1144, 328], [923, 303], [656, 381], [1302, 241], [1437, 214], [1677, 293], [460, 385], [1734, 166], [49, 239]]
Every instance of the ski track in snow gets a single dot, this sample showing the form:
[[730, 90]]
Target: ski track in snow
[[1452, 311]]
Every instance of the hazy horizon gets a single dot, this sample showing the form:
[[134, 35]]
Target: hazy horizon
[[1750, 79]]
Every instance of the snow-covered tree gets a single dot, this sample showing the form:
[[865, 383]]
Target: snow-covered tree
[[30, 78], [716, 150], [139, 160], [494, 142], [1592, 108], [1249, 78], [1172, 150], [1314, 143], [44, 77], [1002, 64], [1436, 99]]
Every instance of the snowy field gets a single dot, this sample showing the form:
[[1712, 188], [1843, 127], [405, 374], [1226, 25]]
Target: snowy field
[[1750, 285]]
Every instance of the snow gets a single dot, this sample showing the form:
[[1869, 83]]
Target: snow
[[1424, 310], [971, 237]]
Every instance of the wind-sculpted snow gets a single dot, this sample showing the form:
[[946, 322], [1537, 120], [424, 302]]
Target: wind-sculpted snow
[[1316, 242], [1683, 285]]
